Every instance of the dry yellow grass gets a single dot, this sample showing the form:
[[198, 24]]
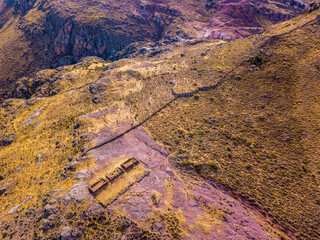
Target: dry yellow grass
[[258, 133], [38, 135]]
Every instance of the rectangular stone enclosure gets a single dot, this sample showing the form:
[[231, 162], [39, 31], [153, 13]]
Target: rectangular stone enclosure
[[118, 181], [114, 174], [98, 186], [129, 164]]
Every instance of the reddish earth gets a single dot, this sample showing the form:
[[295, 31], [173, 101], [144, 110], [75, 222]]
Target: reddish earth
[[204, 211]]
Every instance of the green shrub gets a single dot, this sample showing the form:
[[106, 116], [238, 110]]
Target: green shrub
[[213, 166]]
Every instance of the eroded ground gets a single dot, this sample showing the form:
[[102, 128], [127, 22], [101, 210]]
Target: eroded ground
[[168, 201]]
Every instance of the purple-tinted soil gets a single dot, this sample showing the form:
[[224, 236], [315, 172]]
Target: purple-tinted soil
[[192, 199]]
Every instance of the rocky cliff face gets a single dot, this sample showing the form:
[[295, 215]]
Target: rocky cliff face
[[247, 13], [21, 6], [69, 38], [75, 41], [104, 35], [56, 33]]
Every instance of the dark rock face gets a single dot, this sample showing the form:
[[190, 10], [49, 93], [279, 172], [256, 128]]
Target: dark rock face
[[96, 88], [313, 7], [6, 140], [248, 11], [25, 88], [294, 3], [21, 89], [210, 4], [21, 6], [49, 210], [79, 41], [67, 39]]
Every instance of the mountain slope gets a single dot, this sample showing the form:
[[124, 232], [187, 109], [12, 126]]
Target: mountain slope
[[46, 34], [259, 132], [251, 140]]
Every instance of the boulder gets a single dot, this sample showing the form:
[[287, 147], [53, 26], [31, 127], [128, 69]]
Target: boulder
[[79, 191], [49, 210], [67, 200], [70, 166], [66, 233], [6, 140], [96, 88], [96, 209], [39, 159], [83, 174], [47, 225], [96, 99], [21, 89], [4, 188]]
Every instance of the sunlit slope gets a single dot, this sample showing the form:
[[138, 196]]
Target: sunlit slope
[[258, 134]]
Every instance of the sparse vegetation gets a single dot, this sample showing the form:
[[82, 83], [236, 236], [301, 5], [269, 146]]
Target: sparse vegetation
[[256, 135], [267, 160]]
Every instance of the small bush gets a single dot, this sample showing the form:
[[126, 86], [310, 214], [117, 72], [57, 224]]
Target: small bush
[[197, 167], [155, 197], [180, 131], [185, 162], [257, 60], [213, 166], [248, 166]]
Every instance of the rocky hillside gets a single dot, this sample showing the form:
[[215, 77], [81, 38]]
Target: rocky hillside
[[195, 139], [37, 34]]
